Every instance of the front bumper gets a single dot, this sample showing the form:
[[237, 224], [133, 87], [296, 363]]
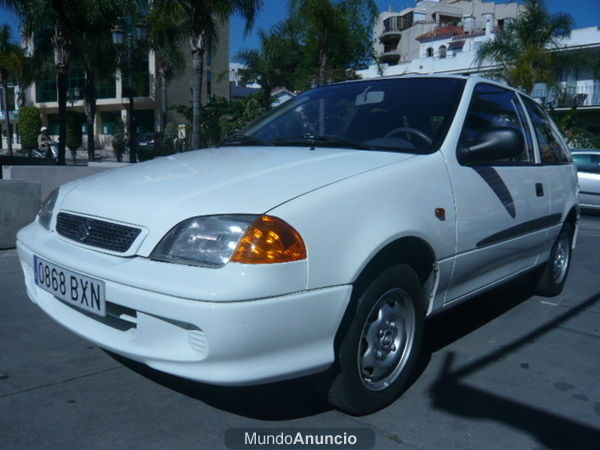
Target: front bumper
[[217, 342]]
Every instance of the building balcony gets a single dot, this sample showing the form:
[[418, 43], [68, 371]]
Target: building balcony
[[390, 57], [390, 34], [585, 95]]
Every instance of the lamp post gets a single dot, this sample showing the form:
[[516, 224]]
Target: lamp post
[[133, 36]]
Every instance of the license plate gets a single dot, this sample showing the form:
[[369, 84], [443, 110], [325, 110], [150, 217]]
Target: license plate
[[71, 287]]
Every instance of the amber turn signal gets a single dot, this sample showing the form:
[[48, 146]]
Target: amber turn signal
[[269, 240]]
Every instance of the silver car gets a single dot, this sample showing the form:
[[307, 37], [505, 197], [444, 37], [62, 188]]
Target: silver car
[[588, 174]]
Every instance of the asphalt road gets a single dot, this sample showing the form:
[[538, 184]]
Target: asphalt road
[[506, 370]]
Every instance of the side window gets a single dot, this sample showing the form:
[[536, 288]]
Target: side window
[[552, 149], [586, 162], [493, 106]]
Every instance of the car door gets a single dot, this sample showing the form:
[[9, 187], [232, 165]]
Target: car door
[[556, 163], [501, 206]]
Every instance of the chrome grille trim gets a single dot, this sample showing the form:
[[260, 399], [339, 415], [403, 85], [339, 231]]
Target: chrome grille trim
[[96, 233]]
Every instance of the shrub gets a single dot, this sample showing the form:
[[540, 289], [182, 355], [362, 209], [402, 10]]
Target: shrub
[[168, 139], [30, 122]]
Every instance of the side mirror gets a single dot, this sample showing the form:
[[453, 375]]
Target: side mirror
[[492, 144]]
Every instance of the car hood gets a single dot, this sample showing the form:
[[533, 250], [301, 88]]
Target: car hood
[[227, 180]]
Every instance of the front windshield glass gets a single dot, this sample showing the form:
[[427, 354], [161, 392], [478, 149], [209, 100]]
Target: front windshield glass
[[409, 115]]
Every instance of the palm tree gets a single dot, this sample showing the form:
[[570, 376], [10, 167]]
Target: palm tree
[[12, 61], [61, 17], [523, 50], [261, 67], [276, 62], [96, 53], [331, 23], [165, 38], [201, 19]]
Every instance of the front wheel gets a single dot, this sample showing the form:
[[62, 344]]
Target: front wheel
[[551, 280], [378, 352]]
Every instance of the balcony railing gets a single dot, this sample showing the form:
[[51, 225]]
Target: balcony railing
[[584, 95]]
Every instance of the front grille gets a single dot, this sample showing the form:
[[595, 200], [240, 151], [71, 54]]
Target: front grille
[[96, 233]]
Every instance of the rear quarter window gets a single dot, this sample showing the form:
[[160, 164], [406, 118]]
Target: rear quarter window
[[553, 150]]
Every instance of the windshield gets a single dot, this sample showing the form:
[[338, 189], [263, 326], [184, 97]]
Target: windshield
[[409, 115]]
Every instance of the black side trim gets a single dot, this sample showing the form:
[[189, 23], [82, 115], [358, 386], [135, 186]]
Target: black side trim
[[497, 185], [521, 229], [589, 193]]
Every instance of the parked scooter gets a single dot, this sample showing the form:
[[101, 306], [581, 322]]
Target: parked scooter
[[51, 153]]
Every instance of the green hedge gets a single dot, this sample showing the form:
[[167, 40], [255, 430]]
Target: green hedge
[[30, 122]]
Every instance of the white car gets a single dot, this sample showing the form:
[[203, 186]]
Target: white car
[[588, 175], [316, 240]]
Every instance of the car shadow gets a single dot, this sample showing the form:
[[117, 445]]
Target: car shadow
[[449, 326], [450, 391], [285, 400]]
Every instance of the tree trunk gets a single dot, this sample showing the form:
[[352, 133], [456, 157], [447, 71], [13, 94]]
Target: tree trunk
[[323, 59], [6, 116], [61, 61], [322, 68], [131, 130], [197, 65], [89, 106], [164, 85], [62, 84]]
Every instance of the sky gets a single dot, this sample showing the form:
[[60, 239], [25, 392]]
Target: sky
[[585, 12]]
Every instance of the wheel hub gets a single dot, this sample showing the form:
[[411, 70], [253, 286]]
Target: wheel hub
[[561, 259], [386, 340]]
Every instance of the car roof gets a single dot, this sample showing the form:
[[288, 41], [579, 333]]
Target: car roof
[[472, 79]]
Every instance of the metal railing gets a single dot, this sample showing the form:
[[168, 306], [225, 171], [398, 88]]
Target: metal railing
[[569, 96]]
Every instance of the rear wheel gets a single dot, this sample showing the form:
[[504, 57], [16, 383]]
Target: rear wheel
[[552, 277], [378, 352]]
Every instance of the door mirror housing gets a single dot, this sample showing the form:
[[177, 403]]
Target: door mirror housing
[[492, 144]]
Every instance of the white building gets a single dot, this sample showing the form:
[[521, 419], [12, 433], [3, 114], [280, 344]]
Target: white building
[[396, 33], [578, 86]]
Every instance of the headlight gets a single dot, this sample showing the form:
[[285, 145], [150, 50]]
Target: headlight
[[213, 241], [47, 208]]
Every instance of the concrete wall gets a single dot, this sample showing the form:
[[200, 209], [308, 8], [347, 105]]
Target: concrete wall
[[50, 177], [19, 203]]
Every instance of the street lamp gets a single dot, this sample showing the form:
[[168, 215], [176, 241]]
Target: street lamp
[[140, 34]]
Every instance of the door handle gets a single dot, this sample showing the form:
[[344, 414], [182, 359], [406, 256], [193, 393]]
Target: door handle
[[539, 189]]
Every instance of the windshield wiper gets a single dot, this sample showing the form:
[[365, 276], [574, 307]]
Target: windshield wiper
[[242, 139], [319, 141]]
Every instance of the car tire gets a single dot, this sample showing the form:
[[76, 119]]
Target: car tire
[[378, 351], [552, 276]]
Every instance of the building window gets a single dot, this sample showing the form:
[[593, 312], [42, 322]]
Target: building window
[[141, 75], [443, 51], [106, 88], [429, 52], [45, 91], [10, 99], [76, 83], [209, 83]]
